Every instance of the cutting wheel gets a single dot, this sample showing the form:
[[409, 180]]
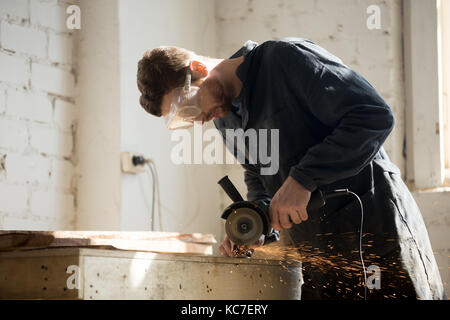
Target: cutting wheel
[[244, 226]]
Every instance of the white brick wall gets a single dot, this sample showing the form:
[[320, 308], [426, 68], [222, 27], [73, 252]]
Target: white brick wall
[[35, 223], [62, 173], [2, 100], [45, 139], [65, 114], [13, 135], [28, 105], [23, 39], [52, 79], [18, 64], [50, 203], [14, 8], [27, 168], [48, 14], [17, 223], [13, 199], [60, 48], [37, 111]]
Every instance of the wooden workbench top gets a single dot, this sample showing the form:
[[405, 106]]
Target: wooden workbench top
[[164, 242]]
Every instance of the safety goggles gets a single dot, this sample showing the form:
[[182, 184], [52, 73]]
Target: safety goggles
[[185, 105]]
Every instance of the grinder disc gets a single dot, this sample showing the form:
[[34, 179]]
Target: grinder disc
[[244, 226]]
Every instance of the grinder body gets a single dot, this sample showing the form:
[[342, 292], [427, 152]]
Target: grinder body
[[247, 221]]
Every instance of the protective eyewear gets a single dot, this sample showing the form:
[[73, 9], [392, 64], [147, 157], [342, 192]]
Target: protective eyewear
[[185, 105]]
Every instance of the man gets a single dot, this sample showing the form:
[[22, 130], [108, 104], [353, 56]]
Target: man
[[332, 124]]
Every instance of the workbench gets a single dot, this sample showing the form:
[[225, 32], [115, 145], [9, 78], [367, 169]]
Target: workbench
[[98, 273]]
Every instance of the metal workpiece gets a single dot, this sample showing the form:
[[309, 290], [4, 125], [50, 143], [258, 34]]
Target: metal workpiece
[[82, 273]]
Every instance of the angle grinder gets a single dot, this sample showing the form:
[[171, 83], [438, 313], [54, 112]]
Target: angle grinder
[[246, 221]]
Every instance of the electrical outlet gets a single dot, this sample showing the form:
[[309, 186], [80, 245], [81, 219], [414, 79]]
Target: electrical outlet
[[127, 165]]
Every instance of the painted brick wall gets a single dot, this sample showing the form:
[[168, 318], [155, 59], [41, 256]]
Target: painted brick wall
[[37, 116]]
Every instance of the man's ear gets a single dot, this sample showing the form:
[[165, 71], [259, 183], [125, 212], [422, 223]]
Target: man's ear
[[198, 69]]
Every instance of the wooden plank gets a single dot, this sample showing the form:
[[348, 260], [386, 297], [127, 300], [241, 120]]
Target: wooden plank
[[163, 246], [170, 242], [25, 240], [135, 235]]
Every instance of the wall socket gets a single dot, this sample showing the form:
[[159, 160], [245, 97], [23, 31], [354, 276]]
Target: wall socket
[[126, 163]]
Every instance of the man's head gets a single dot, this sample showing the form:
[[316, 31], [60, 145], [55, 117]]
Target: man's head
[[163, 69]]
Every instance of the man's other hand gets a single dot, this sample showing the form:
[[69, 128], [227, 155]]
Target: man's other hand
[[289, 205], [227, 246]]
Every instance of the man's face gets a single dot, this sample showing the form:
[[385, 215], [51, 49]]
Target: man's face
[[214, 103]]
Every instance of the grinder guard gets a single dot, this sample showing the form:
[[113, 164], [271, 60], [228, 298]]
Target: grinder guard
[[253, 215]]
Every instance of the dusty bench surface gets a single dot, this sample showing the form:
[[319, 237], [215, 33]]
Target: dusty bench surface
[[93, 273]]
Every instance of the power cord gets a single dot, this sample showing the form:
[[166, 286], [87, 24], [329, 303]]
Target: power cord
[[341, 192], [140, 160], [152, 171]]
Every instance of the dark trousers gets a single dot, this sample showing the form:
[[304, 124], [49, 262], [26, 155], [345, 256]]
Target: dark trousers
[[395, 247]]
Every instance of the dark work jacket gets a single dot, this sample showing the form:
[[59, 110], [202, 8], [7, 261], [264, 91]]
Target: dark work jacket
[[332, 124]]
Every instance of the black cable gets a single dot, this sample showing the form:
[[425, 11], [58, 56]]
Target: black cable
[[140, 160]]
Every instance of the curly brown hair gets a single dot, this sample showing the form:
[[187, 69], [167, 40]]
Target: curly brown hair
[[159, 71]]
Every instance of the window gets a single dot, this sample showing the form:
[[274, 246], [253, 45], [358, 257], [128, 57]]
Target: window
[[426, 57], [445, 58]]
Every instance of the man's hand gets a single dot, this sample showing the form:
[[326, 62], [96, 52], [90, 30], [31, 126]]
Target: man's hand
[[227, 246], [289, 205]]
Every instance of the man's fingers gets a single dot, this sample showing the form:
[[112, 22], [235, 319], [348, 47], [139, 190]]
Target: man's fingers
[[226, 247], [303, 214], [284, 220], [274, 219], [222, 251], [295, 217]]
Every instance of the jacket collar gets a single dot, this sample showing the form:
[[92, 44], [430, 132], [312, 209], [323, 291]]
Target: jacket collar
[[242, 73], [242, 69]]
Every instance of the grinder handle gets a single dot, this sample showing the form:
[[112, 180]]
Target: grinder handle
[[230, 189], [316, 201]]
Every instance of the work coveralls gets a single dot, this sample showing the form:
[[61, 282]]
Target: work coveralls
[[332, 125]]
